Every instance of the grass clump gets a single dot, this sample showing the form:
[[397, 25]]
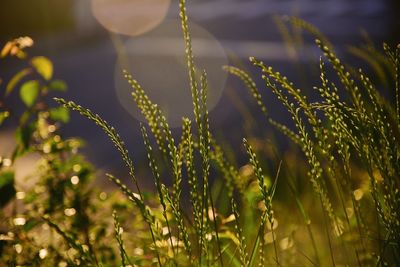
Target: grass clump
[[345, 130], [351, 154]]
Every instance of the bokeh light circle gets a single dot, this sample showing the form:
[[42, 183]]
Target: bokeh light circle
[[130, 17], [157, 61]]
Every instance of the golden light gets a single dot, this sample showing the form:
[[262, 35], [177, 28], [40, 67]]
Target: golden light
[[7, 162], [121, 230], [19, 221], [286, 243], [272, 226], [138, 251], [20, 195], [18, 248], [70, 212], [269, 238], [130, 17], [51, 128], [43, 253], [103, 195], [74, 180], [46, 148], [76, 168], [246, 170], [165, 230], [57, 138], [358, 194]]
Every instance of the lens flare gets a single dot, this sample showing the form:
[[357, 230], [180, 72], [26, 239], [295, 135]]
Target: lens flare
[[157, 61], [130, 17]]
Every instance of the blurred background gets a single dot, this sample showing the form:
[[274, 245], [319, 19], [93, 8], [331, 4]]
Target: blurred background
[[90, 42]]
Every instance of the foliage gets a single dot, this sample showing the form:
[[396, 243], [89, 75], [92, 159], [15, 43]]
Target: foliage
[[351, 154], [56, 197], [341, 134]]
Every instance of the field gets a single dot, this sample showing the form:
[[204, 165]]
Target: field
[[328, 197]]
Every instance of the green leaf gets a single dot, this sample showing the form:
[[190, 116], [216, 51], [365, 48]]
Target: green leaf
[[30, 224], [58, 85], [23, 135], [3, 115], [15, 79], [59, 114], [43, 66], [29, 92], [233, 259], [23, 119], [7, 190], [6, 49]]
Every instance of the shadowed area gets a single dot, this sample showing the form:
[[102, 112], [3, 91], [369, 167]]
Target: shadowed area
[[75, 35]]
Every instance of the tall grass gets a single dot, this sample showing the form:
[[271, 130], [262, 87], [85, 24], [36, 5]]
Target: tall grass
[[345, 129], [351, 128]]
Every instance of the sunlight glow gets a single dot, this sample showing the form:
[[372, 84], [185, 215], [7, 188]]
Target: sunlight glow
[[20, 195], [76, 168], [43, 253], [18, 248], [70, 212], [74, 180], [19, 221], [130, 17], [157, 61]]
